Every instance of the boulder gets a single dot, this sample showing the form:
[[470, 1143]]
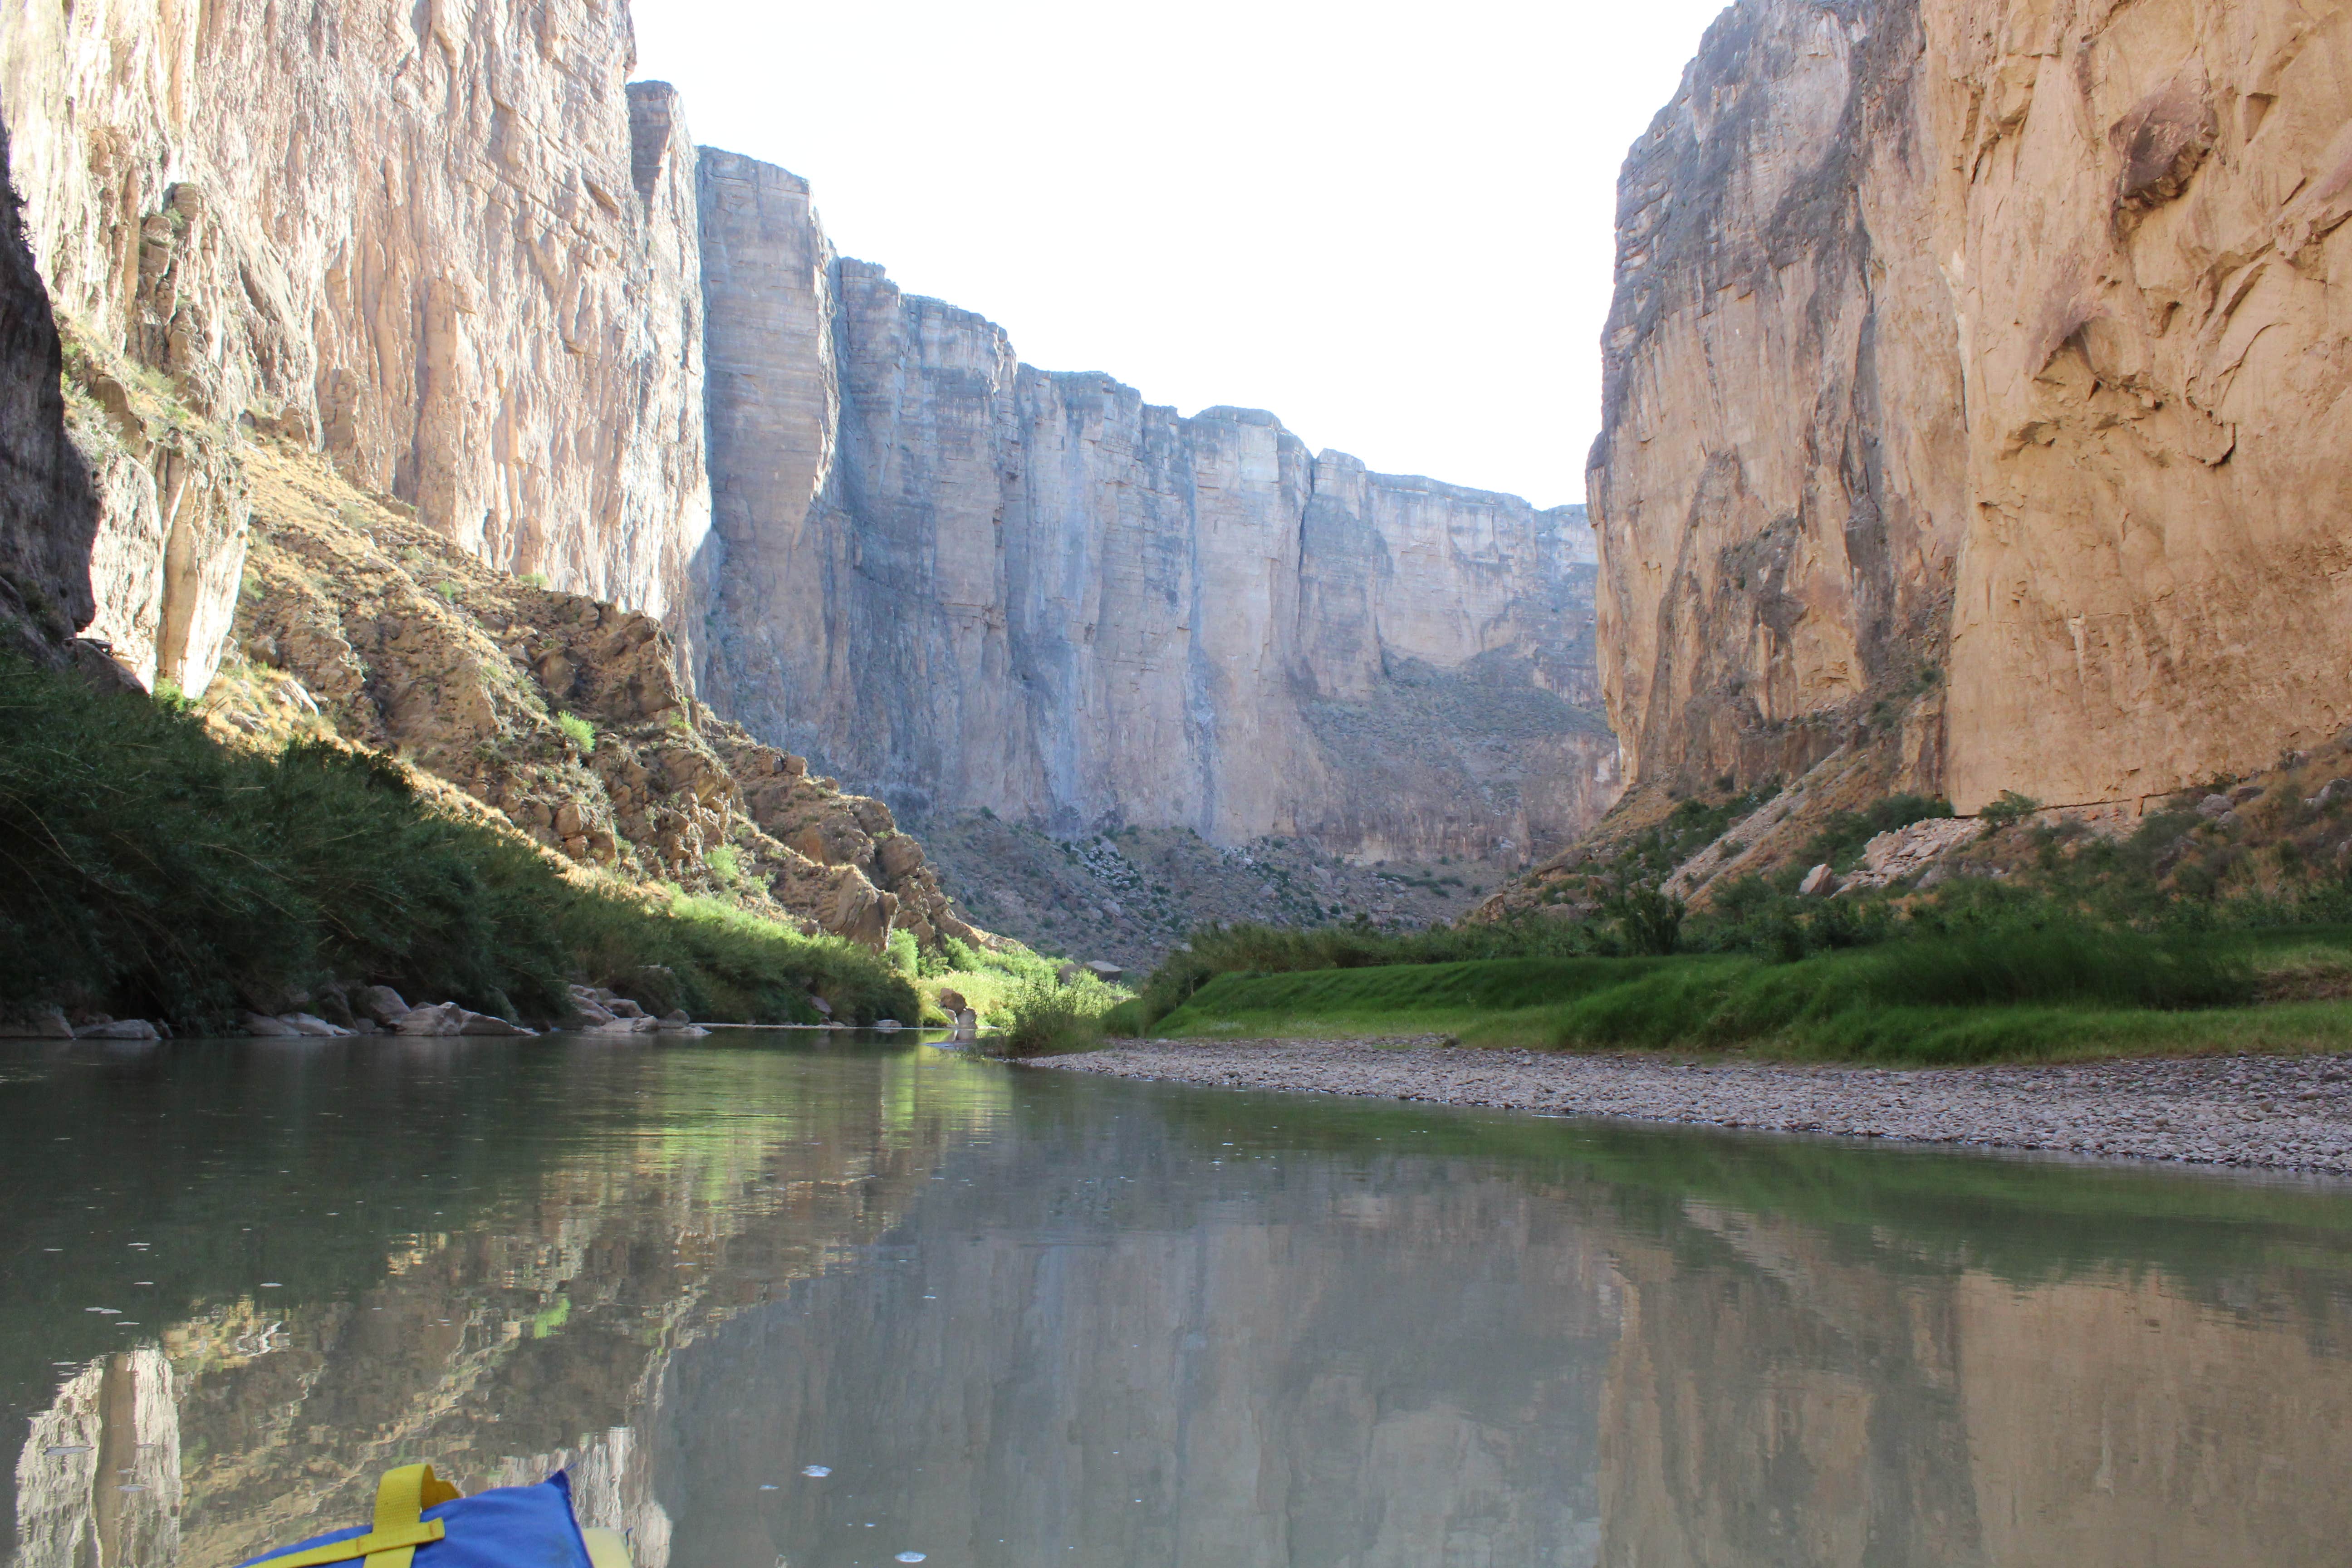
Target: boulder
[[119, 1029], [45, 1024], [311, 1026], [440, 1018], [381, 1002], [683, 1031], [622, 1007], [1104, 971], [2213, 805], [676, 1016], [823, 1007], [1820, 879], [264, 1026], [951, 1002], [2246, 792], [967, 1025], [488, 1024], [888, 1025]]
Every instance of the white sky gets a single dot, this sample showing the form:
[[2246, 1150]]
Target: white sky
[[1389, 223]]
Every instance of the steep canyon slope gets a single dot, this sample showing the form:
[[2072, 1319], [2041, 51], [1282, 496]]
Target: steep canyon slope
[[970, 583], [2061, 509]]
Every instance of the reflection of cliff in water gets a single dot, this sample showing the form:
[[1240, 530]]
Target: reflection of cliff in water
[[523, 1338], [1782, 1396], [1039, 1317], [1152, 1360]]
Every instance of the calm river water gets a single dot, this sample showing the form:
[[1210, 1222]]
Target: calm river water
[[819, 1305]]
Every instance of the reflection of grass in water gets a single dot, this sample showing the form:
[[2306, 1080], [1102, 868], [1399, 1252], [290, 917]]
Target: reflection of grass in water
[[480, 1131], [1908, 1207]]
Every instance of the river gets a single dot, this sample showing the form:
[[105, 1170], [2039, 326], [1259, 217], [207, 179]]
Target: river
[[819, 1302]]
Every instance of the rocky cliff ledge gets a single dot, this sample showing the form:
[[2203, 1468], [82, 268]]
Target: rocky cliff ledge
[[966, 581], [2059, 504]]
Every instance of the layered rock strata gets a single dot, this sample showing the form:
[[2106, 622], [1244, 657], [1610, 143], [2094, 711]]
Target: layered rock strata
[[2059, 506], [447, 247], [970, 583]]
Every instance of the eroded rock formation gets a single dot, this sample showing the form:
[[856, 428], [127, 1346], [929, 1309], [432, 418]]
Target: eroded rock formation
[[2060, 507], [968, 581], [444, 245]]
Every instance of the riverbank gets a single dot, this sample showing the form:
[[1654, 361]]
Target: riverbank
[[2277, 1112]]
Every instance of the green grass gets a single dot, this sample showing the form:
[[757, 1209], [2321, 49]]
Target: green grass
[[1402, 999], [2059, 992], [149, 872]]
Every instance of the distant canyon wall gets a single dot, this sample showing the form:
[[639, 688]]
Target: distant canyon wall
[[966, 581], [443, 242], [1977, 384], [455, 249]]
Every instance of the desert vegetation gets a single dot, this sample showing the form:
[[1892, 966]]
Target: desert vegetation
[[148, 871]]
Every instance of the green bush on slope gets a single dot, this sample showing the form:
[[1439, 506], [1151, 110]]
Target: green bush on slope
[[149, 871]]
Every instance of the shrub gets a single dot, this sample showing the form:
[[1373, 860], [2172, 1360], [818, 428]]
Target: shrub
[[1052, 1019], [2008, 810], [723, 864], [583, 733]]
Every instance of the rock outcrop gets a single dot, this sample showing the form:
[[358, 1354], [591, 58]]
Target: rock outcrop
[[966, 581], [564, 716], [445, 246], [2060, 508]]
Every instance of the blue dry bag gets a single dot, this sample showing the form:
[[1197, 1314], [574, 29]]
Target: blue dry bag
[[421, 1520]]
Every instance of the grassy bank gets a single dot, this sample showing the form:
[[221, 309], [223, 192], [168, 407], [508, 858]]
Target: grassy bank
[[147, 871], [2049, 994]]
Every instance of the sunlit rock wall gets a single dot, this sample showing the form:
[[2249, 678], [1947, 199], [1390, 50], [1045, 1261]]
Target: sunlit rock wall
[[1977, 382], [965, 582], [430, 239]]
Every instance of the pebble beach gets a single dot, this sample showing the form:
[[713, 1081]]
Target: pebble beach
[[2275, 1113]]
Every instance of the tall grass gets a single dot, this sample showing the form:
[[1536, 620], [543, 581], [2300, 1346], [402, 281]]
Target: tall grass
[[1049, 1018], [147, 871]]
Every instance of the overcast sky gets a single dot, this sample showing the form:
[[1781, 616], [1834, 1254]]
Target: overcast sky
[[1388, 223]]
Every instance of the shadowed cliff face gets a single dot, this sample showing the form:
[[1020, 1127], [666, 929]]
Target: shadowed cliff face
[[966, 582], [441, 242], [47, 515], [2060, 497]]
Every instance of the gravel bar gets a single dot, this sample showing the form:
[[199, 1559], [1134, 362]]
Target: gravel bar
[[2279, 1112]]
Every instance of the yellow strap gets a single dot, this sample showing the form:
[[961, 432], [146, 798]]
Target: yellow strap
[[401, 1499], [395, 1547], [605, 1549]]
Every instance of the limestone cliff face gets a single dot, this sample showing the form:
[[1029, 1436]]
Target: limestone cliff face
[[441, 242], [966, 582], [2058, 505]]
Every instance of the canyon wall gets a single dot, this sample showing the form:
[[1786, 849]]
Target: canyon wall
[[47, 515], [2061, 507], [966, 583], [444, 243]]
